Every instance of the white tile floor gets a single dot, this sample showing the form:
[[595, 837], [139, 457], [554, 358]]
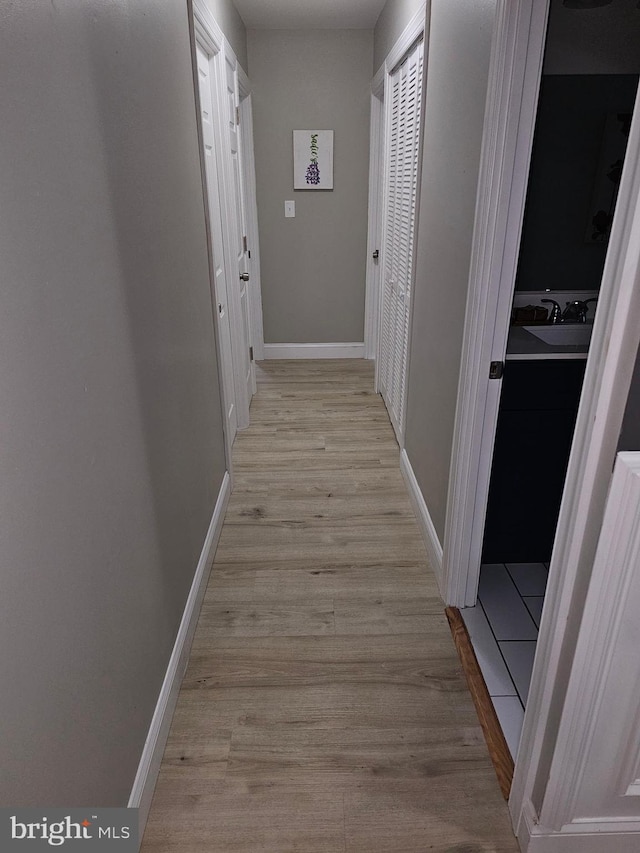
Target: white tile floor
[[503, 628]]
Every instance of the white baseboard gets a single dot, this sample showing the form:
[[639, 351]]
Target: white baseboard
[[431, 540], [149, 766], [347, 350], [602, 838]]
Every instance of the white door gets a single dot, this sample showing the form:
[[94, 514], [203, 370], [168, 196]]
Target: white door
[[594, 781], [217, 253], [238, 240], [251, 223], [403, 99]]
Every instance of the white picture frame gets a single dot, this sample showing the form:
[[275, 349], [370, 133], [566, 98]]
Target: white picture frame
[[313, 159]]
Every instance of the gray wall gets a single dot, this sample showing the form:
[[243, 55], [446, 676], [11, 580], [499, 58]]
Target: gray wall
[[313, 266], [232, 25], [565, 166], [454, 116], [393, 18], [110, 423], [605, 40]]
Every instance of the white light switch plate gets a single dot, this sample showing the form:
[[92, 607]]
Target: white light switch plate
[[289, 209]]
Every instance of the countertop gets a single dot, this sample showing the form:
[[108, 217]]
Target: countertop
[[523, 346]]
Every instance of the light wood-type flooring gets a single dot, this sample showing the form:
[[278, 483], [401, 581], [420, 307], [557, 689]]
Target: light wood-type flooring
[[324, 709]]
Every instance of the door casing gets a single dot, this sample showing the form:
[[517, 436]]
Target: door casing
[[251, 213]]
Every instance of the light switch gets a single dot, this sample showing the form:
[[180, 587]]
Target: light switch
[[289, 209]]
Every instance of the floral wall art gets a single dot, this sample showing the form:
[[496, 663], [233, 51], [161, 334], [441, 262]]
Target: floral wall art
[[313, 159]]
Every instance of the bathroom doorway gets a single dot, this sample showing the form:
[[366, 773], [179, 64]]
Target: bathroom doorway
[[582, 123]]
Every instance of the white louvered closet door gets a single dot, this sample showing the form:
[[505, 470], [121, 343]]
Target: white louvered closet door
[[403, 102]]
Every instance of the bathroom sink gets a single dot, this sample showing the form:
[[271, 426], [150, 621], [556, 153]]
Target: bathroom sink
[[564, 334]]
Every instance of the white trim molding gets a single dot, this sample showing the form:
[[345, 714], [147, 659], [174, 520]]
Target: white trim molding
[[149, 766], [207, 27], [425, 523], [249, 173], [374, 230], [533, 838], [340, 350]]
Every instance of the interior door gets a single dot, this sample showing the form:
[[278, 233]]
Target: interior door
[[238, 228], [251, 222], [223, 327], [403, 102]]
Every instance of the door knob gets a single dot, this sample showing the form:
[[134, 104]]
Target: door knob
[[244, 276]]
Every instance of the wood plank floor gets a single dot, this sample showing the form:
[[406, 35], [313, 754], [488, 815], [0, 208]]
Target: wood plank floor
[[324, 709]]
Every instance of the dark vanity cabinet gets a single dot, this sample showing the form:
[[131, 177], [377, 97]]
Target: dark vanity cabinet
[[536, 420]]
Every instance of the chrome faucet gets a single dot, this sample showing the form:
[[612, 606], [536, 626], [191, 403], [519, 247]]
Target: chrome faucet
[[555, 315], [576, 311]]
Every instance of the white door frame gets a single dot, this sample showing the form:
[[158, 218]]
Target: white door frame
[[415, 28], [251, 212], [374, 233], [514, 81]]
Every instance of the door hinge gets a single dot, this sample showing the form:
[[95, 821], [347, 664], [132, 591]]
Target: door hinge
[[496, 369], [237, 115], [250, 353], [244, 244]]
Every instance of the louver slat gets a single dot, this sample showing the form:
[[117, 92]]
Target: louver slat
[[401, 172]]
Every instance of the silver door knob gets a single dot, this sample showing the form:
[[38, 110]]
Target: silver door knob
[[244, 276]]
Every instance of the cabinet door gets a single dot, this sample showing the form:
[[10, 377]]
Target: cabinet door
[[533, 439]]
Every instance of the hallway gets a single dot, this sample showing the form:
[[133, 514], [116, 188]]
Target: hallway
[[324, 708]]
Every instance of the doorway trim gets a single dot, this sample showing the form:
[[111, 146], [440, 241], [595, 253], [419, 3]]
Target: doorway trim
[[514, 80], [249, 175], [376, 160]]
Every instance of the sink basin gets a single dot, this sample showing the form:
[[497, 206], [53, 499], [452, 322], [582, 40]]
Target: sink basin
[[564, 334]]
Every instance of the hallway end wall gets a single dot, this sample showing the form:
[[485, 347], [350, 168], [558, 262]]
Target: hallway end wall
[[312, 266], [110, 420], [456, 85]]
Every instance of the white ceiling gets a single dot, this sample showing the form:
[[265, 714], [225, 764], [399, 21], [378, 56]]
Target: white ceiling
[[309, 14]]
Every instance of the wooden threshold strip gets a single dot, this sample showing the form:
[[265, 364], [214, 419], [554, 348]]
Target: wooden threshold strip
[[498, 749]]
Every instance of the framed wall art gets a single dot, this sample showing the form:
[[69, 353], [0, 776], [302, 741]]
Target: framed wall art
[[313, 159]]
